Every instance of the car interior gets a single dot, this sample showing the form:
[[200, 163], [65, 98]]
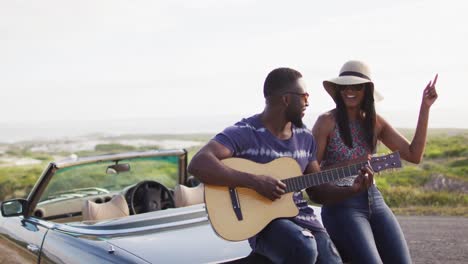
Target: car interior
[[100, 190], [146, 196]]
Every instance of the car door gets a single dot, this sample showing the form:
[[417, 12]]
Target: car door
[[21, 239]]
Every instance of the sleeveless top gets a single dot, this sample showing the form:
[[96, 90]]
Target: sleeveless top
[[337, 151]]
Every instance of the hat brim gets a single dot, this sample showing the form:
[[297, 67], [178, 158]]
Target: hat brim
[[329, 85]]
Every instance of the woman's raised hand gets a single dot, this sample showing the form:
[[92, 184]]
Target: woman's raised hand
[[430, 93]]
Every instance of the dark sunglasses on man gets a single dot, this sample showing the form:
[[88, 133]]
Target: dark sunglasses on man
[[305, 96]]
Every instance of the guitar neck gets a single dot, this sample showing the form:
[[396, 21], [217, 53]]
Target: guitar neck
[[308, 180]]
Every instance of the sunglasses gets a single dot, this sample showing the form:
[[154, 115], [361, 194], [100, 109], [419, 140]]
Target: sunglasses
[[355, 88], [305, 96]]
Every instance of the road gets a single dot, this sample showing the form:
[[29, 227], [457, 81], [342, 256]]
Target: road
[[436, 239]]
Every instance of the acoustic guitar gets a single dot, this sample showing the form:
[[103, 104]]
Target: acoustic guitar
[[239, 213]]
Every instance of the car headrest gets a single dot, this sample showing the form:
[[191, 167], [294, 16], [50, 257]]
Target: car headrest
[[185, 196], [116, 207]]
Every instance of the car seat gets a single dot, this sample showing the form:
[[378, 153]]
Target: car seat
[[116, 207]]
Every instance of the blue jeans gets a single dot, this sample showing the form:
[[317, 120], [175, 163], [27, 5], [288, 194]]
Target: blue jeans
[[282, 241], [365, 230]]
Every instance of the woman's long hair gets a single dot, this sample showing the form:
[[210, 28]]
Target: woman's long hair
[[368, 121]]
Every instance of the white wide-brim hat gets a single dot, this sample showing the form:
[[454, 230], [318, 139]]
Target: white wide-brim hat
[[352, 72]]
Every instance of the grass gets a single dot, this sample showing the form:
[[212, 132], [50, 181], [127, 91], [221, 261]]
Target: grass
[[408, 176], [18, 181], [409, 196]]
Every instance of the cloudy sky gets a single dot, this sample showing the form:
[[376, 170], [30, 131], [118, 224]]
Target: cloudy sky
[[121, 60]]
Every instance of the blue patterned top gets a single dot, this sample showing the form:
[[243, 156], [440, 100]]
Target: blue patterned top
[[249, 139]]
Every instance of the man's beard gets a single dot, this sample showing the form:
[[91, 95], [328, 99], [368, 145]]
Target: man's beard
[[295, 119], [298, 122]]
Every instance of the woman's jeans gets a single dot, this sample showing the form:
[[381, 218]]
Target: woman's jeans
[[282, 241], [365, 230]]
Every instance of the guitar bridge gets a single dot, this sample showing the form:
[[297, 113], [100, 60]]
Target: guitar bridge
[[235, 203]]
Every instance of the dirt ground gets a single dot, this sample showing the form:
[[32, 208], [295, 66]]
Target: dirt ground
[[436, 239]]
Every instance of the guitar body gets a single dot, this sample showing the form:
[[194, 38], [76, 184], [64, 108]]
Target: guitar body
[[257, 211]]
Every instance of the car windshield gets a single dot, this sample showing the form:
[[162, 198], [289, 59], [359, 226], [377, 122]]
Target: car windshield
[[105, 177]]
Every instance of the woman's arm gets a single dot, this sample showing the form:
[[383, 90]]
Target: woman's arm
[[412, 152], [322, 129]]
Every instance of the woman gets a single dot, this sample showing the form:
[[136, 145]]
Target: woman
[[360, 223]]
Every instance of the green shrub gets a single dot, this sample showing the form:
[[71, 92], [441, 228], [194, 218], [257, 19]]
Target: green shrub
[[459, 163], [408, 176], [18, 181], [407, 196], [444, 147]]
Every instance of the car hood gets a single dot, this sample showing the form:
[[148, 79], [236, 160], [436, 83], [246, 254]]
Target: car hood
[[182, 235]]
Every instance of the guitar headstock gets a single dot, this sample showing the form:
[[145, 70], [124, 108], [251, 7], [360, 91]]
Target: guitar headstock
[[385, 162]]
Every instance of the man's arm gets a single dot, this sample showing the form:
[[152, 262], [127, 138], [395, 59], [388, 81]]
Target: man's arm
[[206, 165]]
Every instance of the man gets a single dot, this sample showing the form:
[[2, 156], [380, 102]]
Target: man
[[276, 132]]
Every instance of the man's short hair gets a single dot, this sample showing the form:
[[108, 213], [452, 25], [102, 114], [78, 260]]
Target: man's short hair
[[279, 80]]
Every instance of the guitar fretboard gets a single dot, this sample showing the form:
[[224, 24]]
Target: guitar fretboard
[[308, 180]]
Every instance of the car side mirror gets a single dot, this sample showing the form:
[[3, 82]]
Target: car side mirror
[[14, 207]]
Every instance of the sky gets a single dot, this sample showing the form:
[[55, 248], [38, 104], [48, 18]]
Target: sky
[[93, 61]]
